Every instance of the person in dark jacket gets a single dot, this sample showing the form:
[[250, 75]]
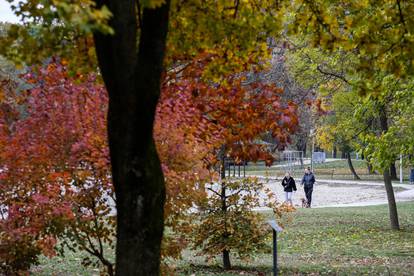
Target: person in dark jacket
[[289, 186], [308, 180]]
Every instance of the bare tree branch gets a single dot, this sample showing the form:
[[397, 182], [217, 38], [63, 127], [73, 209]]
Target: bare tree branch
[[332, 74]]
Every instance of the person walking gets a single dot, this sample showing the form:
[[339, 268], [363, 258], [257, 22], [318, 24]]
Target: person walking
[[289, 186], [308, 180]]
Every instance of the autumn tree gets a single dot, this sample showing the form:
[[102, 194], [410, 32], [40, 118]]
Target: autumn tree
[[327, 74], [64, 121], [130, 54], [294, 90], [184, 140], [239, 113], [228, 222], [55, 169], [379, 34]]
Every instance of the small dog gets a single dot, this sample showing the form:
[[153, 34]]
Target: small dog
[[304, 203]]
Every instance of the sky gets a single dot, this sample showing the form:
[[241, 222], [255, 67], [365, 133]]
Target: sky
[[6, 15]]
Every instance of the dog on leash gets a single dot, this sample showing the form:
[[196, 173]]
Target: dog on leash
[[304, 203]]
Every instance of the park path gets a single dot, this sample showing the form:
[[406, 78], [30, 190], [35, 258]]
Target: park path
[[344, 193], [406, 195]]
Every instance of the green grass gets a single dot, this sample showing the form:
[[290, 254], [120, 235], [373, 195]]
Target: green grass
[[332, 241], [326, 241], [70, 264]]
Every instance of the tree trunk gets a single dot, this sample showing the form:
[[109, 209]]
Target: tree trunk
[[392, 206], [393, 171], [304, 150], [334, 152], [301, 144], [351, 167], [226, 259], [343, 154], [369, 168], [225, 252], [132, 77]]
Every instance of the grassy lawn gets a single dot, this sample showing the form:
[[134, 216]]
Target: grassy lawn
[[332, 241], [69, 265], [328, 241]]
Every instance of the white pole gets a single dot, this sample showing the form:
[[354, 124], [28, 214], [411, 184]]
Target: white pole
[[401, 169], [313, 149]]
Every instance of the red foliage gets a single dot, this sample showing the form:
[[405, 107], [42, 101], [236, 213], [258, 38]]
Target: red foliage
[[184, 155], [55, 165], [55, 174], [241, 113]]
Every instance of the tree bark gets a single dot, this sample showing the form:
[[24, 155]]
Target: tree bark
[[393, 171], [351, 167], [334, 152], [226, 259], [132, 77], [369, 168], [301, 146], [225, 252], [392, 206]]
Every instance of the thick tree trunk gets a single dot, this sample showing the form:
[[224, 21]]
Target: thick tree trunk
[[351, 167], [392, 206], [226, 260], [132, 77], [393, 171]]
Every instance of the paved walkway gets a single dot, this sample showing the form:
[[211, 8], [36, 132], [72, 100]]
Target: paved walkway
[[406, 195], [344, 193]]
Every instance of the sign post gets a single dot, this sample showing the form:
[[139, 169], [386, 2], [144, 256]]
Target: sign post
[[276, 229]]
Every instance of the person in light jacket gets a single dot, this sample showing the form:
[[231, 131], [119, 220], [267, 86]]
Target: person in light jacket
[[289, 186], [308, 180]]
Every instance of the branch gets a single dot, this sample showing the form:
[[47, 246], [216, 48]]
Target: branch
[[95, 220], [236, 7], [402, 20], [81, 240], [238, 192], [96, 252], [317, 13], [214, 192], [332, 74]]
